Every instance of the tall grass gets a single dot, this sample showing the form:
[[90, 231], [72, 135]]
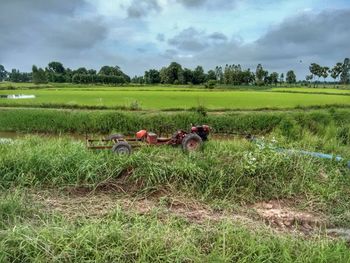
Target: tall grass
[[236, 172], [134, 238], [223, 174], [33, 120], [14, 209]]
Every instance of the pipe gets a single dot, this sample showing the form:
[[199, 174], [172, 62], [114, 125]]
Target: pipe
[[313, 154], [316, 154]]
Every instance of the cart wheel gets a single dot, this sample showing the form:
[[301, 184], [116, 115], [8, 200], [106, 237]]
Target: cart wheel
[[122, 148], [192, 142]]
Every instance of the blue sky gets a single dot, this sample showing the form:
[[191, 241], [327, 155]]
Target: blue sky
[[142, 34]]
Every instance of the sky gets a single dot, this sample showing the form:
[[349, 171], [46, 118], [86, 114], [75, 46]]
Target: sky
[[138, 35]]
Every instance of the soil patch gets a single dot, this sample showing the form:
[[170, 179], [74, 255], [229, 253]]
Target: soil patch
[[281, 215]]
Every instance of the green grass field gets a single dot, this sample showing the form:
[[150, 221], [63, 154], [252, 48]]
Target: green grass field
[[62, 202], [162, 98], [65, 203]]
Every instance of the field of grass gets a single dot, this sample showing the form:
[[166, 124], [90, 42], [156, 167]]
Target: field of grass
[[38, 225], [162, 98], [61, 202]]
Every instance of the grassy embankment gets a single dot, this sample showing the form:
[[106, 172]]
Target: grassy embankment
[[226, 175], [332, 124]]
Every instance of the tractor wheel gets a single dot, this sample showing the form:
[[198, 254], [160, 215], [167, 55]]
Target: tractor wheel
[[192, 142], [122, 148], [115, 137]]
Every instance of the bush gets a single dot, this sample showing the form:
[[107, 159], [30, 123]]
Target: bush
[[210, 84]]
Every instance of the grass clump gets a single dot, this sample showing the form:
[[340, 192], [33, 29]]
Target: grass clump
[[15, 208]]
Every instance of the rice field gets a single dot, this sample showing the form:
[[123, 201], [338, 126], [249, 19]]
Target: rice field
[[342, 90], [162, 98]]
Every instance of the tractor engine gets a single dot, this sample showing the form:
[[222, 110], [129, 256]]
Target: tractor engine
[[202, 131], [141, 135]]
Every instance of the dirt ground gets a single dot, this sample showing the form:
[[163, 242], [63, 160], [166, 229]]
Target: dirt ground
[[279, 215]]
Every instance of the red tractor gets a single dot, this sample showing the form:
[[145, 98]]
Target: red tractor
[[190, 141]]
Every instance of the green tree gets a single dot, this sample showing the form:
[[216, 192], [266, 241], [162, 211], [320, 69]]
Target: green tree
[[152, 76], [282, 78], [56, 67], [55, 72], [211, 75], [248, 77], [219, 74], [260, 75], [308, 79], [163, 75], [345, 74], [3, 73], [113, 71], [81, 70], [316, 70], [173, 74], [198, 75], [324, 74], [138, 80], [188, 76], [68, 76], [38, 75], [336, 71], [92, 72], [16, 76], [291, 78], [274, 78], [227, 75]]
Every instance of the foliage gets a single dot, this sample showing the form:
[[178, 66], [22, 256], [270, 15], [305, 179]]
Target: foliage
[[152, 76], [100, 79], [273, 78], [16, 76], [38, 75], [291, 77], [345, 75], [210, 84], [260, 75], [234, 75], [3, 73], [336, 71]]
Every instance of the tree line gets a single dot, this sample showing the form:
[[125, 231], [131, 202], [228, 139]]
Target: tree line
[[340, 71], [174, 74], [55, 72], [229, 75]]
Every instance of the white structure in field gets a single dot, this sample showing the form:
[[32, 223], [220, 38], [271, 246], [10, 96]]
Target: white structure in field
[[20, 96]]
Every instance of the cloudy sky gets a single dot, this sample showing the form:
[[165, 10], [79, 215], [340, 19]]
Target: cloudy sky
[[142, 34]]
